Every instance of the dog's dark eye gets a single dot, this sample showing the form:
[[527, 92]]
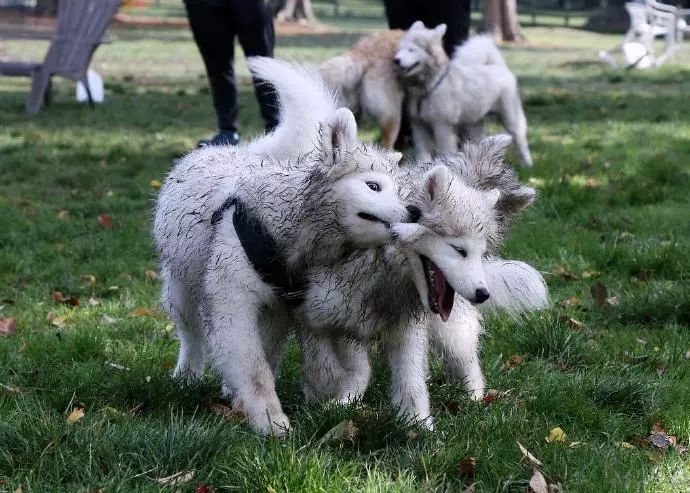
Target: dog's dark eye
[[374, 186], [461, 251]]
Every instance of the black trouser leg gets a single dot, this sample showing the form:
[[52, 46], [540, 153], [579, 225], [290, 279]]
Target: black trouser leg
[[214, 33], [254, 24]]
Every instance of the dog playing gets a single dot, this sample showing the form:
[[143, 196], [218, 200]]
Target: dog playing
[[446, 96], [394, 293], [235, 228], [365, 80]]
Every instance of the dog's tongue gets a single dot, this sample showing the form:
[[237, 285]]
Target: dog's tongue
[[443, 294]]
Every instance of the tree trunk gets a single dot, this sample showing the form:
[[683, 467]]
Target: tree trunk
[[291, 11]]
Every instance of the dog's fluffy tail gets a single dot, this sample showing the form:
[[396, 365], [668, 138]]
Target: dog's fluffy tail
[[304, 100], [515, 287], [478, 50]]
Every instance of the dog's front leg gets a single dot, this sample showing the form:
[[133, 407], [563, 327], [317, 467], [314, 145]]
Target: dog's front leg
[[407, 357], [423, 141], [445, 137]]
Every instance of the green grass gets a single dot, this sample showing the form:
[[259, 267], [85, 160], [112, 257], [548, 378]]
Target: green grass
[[612, 170]]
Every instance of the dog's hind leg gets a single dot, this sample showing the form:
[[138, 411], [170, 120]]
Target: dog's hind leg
[[515, 122], [423, 141], [446, 138], [183, 309], [407, 358], [354, 358], [390, 128], [323, 373]]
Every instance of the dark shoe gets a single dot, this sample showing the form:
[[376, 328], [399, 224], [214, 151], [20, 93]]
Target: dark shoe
[[221, 139]]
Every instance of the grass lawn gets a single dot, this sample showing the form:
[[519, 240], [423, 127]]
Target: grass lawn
[[611, 164]]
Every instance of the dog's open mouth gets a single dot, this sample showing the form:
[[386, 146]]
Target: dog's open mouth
[[407, 70], [370, 217], [441, 295]]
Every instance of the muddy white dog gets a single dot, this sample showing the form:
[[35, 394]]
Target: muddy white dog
[[304, 196], [446, 96], [466, 204]]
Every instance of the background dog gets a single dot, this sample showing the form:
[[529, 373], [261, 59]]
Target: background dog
[[365, 81], [446, 95]]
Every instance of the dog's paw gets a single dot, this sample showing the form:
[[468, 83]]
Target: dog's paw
[[274, 423]]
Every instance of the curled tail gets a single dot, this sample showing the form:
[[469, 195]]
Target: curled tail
[[305, 101], [515, 287], [478, 50]]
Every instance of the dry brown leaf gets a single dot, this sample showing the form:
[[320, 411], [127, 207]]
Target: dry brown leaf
[[575, 445], [57, 321], [204, 488], [155, 184], [89, 279], [106, 221], [141, 312], [468, 467], [513, 361], [25, 346], [574, 324], [76, 414], [151, 275], [537, 484], [599, 293], [177, 479], [345, 430], [490, 396], [234, 414], [528, 455], [8, 326], [571, 302]]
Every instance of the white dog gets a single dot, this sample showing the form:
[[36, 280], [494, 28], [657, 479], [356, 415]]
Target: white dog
[[445, 96], [466, 203], [235, 227]]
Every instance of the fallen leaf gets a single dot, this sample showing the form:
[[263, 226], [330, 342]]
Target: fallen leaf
[[113, 288], [57, 321], [62, 215], [76, 414], [537, 483], [468, 467], [528, 455], [660, 440], [575, 324], [514, 361], [612, 301], [626, 445], [204, 488], [491, 396], [9, 388], [25, 345], [151, 275], [574, 445], [93, 301], [106, 221], [7, 326], [116, 366], [412, 435], [234, 414], [589, 274], [89, 279], [177, 479], [155, 184], [345, 430], [599, 293], [168, 329], [556, 435], [61, 298], [141, 312], [571, 302], [108, 320], [687, 354]]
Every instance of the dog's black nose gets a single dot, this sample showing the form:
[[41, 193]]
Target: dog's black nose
[[396, 61], [415, 213], [481, 295]]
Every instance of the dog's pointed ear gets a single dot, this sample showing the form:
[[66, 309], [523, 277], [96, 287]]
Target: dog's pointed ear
[[337, 135], [516, 200], [440, 30], [499, 143], [417, 25], [436, 184]]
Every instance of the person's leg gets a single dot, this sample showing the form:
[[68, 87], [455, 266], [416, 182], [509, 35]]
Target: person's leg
[[455, 14], [254, 25], [214, 34]]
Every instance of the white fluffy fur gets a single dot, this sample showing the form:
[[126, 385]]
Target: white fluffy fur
[[307, 184], [445, 95]]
